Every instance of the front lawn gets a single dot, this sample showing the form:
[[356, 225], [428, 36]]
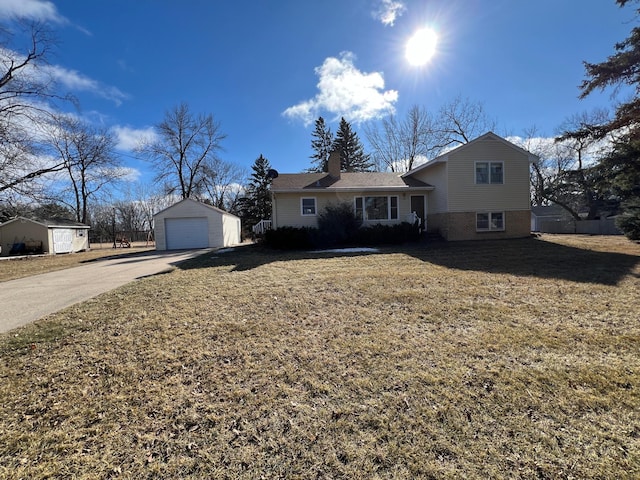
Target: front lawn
[[506, 359]]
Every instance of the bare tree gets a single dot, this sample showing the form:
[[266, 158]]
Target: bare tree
[[26, 90], [460, 121], [186, 149], [89, 160], [553, 159], [222, 185], [575, 186], [398, 145]]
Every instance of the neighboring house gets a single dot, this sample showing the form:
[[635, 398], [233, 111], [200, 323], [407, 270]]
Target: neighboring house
[[26, 236], [191, 224], [479, 190]]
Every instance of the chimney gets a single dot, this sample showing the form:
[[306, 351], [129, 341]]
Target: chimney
[[334, 164]]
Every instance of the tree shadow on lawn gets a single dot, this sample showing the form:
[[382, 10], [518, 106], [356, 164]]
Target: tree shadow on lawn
[[530, 257]]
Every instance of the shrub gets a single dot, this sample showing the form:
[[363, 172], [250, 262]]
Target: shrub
[[337, 225], [289, 238], [386, 234], [629, 220]]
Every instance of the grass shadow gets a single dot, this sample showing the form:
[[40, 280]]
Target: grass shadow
[[530, 257], [250, 256]]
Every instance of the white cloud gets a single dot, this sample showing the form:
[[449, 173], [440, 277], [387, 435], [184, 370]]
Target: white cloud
[[128, 139], [31, 9], [389, 11], [79, 82], [128, 174], [346, 91]]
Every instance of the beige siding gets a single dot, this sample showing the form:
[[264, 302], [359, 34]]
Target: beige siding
[[463, 193], [231, 230], [435, 175], [287, 206], [80, 240], [22, 231]]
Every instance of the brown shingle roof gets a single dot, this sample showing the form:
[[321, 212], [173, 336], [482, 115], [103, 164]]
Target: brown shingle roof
[[347, 181]]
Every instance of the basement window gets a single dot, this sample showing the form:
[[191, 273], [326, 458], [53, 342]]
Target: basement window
[[490, 222]]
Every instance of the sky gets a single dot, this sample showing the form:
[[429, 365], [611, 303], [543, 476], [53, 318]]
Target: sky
[[266, 69]]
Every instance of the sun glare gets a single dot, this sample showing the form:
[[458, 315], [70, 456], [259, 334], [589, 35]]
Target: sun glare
[[421, 47]]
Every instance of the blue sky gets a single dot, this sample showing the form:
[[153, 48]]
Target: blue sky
[[267, 69]]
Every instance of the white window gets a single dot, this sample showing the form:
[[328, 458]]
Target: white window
[[489, 173], [490, 221], [308, 206], [376, 208]]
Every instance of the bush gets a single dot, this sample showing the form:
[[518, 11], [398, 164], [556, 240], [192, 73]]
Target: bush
[[292, 238], [337, 225], [289, 238], [629, 220], [387, 234]]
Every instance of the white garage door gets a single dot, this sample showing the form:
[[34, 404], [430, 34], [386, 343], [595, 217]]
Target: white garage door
[[62, 240], [186, 233]]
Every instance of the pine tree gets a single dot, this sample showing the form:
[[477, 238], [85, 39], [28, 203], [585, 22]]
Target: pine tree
[[621, 68], [256, 205], [620, 169], [352, 156], [322, 145]]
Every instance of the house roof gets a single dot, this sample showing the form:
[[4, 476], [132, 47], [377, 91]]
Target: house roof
[[295, 182], [487, 136], [210, 207], [49, 223]]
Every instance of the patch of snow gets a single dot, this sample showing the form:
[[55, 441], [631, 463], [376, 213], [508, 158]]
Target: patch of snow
[[225, 250]]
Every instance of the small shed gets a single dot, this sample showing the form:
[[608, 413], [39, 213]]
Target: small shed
[[190, 224], [20, 236]]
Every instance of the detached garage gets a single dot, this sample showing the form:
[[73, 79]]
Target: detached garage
[[21, 236], [189, 224]]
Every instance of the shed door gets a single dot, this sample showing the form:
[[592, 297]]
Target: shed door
[[184, 233], [62, 240]]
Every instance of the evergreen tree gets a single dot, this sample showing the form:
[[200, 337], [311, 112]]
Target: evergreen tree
[[256, 205], [619, 69], [352, 156], [620, 169], [322, 145], [620, 177]]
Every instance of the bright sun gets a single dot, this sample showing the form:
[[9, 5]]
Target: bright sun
[[421, 47]]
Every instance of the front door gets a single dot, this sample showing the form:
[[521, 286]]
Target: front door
[[418, 206]]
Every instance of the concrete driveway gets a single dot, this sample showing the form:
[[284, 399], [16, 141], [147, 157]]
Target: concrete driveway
[[27, 299]]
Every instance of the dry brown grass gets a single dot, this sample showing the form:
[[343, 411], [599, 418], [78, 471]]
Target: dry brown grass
[[512, 359], [13, 268]]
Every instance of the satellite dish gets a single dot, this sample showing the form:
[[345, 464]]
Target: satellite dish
[[272, 173]]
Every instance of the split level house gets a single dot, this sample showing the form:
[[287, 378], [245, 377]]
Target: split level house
[[479, 190]]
